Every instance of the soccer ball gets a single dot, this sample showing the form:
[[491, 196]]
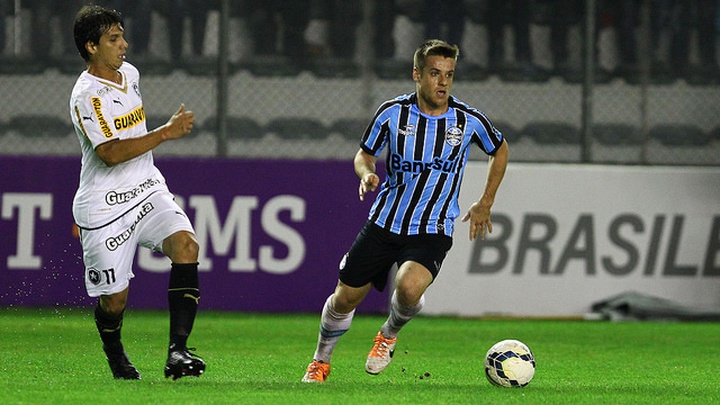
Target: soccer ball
[[509, 363]]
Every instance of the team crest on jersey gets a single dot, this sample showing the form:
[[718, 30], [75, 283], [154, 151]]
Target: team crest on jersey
[[409, 130], [453, 136]]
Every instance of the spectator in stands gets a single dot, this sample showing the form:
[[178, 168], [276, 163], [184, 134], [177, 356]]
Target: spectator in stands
[[339, 19], [383, 42], [277, 28], [41, 14], [6, 7], [495, 15], [445, 19], [626, 19], [198, 11], [677, 19], [563, 15]]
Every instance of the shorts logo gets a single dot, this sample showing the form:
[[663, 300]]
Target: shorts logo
[[93, 276], [116, 241], [113, 197], [453, 136]]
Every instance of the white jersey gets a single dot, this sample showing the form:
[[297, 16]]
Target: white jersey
[[101, 111]]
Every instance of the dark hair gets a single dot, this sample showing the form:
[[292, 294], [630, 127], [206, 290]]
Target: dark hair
[[434, 47], [91, 22]]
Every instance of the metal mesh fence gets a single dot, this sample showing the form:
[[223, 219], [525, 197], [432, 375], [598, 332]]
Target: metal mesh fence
[[301, 78]]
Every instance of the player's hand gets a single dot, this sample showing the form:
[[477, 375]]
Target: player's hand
[[368, 183], [479, 216], [181, 123]]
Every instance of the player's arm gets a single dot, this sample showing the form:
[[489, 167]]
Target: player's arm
[[479, 211], [121, 150], [365, 169]]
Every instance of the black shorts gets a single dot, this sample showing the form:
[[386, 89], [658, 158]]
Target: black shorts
[[375, 250]]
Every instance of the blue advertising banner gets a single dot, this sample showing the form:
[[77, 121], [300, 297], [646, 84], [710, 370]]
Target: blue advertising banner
[[271, 233]]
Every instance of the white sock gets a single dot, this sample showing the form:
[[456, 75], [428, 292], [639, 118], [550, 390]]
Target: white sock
[[332, 326], [399, 316]]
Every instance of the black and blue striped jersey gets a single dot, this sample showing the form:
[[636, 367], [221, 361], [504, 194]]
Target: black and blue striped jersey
[[426, 157]]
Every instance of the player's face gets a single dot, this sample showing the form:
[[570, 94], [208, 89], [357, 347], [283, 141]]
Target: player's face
[[434, 83], [110, 52]]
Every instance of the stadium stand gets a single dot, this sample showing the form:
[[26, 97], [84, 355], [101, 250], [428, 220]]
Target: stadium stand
[[551, 132], [680, 135], [297, 128]]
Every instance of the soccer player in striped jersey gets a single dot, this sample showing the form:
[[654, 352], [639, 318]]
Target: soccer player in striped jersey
[[428, 135], [122, 200]]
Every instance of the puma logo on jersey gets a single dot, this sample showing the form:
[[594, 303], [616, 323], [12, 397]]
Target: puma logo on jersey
[[88, 118], [118, 102]]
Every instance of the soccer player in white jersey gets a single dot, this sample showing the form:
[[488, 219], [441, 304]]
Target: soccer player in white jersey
[[122, 200], [427, 135]]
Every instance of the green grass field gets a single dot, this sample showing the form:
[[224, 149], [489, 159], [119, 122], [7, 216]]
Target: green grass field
[[53, 356]]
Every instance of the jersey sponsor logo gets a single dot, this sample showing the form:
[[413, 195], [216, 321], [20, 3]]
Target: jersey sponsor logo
[[116, 241], [409, 130], [113, 197], [104, 90], [104, 127], [398, 164], [131, 119], [453, 136]]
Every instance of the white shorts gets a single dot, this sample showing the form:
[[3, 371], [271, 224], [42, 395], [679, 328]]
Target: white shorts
[[109, 251]]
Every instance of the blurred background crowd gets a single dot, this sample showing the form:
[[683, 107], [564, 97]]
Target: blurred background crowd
[[300, 78]]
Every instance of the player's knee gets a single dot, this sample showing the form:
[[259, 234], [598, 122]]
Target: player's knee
[[191, 246], [409, 294], [112, 306], [345, 301], [183, 248]]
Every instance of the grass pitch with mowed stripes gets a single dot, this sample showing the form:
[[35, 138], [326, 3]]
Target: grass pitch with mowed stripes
[[54, 356]]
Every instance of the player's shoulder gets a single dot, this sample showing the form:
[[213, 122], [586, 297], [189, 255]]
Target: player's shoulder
[[130, 70], [86, 85], [401, 100], [468, 109]]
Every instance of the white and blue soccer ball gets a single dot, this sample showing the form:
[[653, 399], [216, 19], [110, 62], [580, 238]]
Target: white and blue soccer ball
[[509, 363]]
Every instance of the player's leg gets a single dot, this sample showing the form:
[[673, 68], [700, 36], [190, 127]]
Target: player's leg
[[183, 286], [108, 270], [420, 263], [183, 298], [168, 230], [336, 318], [366, 265], [108, 320], [407, 300]]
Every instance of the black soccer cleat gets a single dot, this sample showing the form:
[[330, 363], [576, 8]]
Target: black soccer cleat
[[181, 363], [121, 367]]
